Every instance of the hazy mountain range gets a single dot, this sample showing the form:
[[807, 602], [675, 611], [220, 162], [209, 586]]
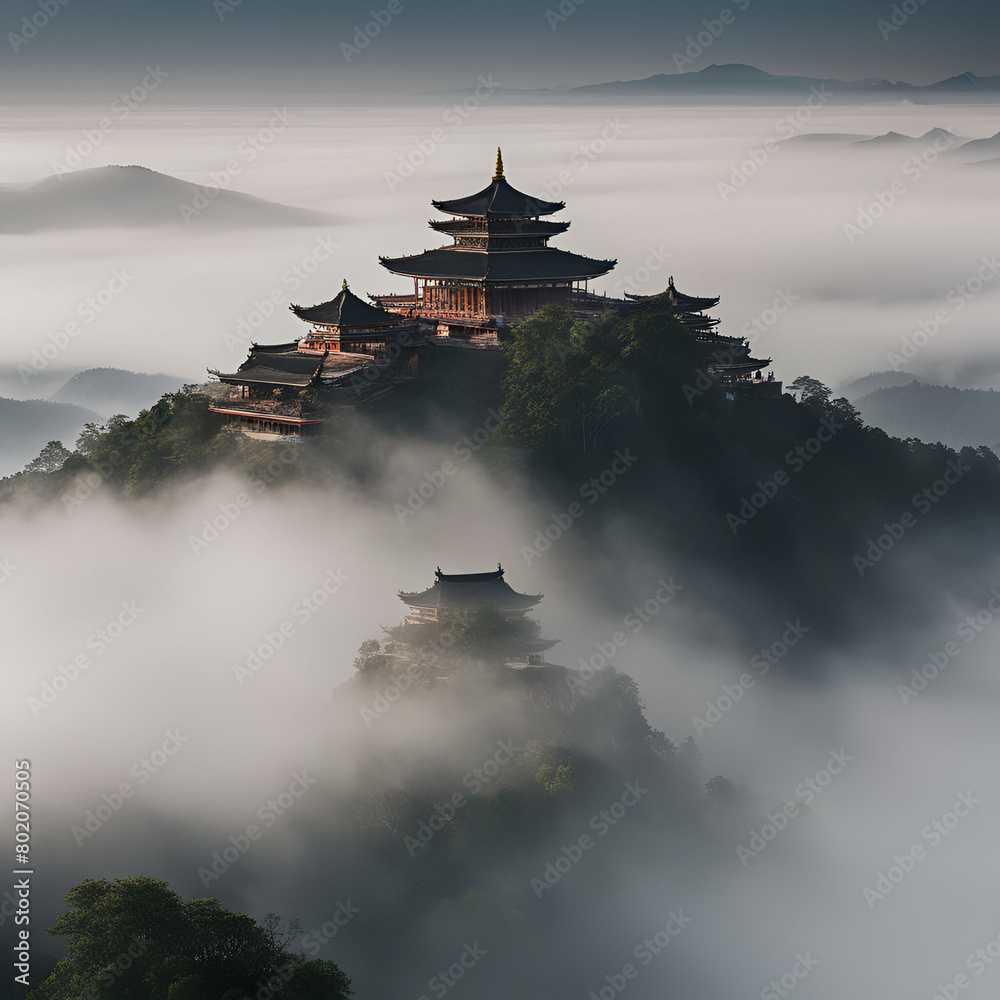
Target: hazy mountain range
[[909, 407], [27, 425], [736, 80], [130, 196]]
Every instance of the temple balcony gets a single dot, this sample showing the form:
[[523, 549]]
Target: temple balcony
[[269, 407]]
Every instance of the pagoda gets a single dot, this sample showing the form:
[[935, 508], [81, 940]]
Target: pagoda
[[458, 592], [348, 323], [729, 361], [353, 350], [499, 268]]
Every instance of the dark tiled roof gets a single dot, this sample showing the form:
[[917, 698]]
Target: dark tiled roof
[[275, 369], [525, 227], [507, 265], [345, 310], [466, 590], [288, 348], [499, 199], [688, 303]]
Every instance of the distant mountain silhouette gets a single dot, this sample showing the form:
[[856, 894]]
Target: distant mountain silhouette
[[828, 138], [741, 80], [108, 391], [979, 150], [935, 413], [27, 425], [859, 387], [136, 196], [897, 139]]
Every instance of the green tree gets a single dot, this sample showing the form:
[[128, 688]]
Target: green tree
[[136, 939], [564, 381], [50, 459]]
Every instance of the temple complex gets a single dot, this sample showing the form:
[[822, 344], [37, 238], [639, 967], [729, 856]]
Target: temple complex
[[499, 268], [454, 592], [728, 359]]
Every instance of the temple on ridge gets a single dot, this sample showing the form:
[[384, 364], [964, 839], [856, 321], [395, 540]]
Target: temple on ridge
[[457, 592], [728, 359], [286, 390], [499, 268]]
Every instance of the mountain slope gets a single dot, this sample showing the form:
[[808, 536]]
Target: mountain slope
[[108, 391], [27, 425], [932, 413], [136, 196]]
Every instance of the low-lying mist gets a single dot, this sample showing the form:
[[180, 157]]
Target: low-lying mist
[[196, 645]]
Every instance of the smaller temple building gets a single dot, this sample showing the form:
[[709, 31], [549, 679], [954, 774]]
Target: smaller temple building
[[348, 323], [454, 593], [286, 390], [728, 359]]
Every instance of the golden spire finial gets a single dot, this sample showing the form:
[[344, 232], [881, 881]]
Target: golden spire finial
[[344, 286], [498, 173]]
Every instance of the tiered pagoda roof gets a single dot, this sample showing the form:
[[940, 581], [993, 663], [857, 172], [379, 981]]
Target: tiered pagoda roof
[[345, 311], [458, 591], [281, 368], [499, 238], [464, 591]]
